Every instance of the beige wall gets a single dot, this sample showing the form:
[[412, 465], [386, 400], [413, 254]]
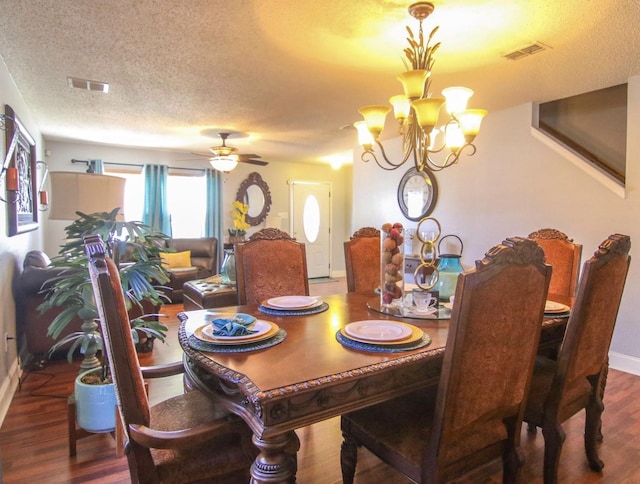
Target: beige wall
[[514, 185], [12, 250]]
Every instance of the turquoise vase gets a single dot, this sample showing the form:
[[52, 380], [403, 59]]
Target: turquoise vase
[[449, 268], [228, 269]]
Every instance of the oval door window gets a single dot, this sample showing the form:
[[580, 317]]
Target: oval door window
[[311, 218]]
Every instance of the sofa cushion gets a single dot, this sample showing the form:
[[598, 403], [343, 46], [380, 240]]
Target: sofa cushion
[[176, 260]]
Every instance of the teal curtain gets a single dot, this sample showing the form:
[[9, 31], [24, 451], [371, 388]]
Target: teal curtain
[[214, 213], [156, 211]]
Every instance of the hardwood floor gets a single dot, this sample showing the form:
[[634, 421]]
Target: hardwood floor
[[33, 437]]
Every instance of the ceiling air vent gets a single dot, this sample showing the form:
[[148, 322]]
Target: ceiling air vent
[[525, 51], [88, 85]]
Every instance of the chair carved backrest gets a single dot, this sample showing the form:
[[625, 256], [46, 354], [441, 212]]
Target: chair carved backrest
[[119, 345], [362, 260], [564, 256], [590, 328], [488, 362], [270, 264]]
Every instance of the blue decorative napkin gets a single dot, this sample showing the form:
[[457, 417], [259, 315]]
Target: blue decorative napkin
[[200, 345], [235, 326]]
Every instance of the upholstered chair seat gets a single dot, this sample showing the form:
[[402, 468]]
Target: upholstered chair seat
[[198, 462]]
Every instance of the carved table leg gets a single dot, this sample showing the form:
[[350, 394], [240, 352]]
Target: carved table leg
[[274, 464]]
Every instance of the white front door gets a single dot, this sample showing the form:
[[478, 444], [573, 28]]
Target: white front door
[[311, 224]]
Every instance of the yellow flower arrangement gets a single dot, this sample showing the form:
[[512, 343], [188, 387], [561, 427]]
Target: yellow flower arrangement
[[239, 214]]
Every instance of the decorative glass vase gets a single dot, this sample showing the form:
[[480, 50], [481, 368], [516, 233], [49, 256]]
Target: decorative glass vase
[[391, 266], [228, 268], [449, 268]]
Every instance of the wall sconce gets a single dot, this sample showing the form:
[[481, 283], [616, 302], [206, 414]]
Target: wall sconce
[[9, 173], [11, 177], [43, 196]]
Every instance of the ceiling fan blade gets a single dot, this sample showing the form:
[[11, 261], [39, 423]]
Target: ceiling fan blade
[[204, 155], [253, 162], [199, 155], [246, 155]]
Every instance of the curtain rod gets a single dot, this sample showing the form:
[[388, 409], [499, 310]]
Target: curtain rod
[[137, 165]]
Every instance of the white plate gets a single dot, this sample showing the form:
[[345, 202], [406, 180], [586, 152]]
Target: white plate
[[417, 312], [261, 327], [555, 307], [294, 302], [375, 330]]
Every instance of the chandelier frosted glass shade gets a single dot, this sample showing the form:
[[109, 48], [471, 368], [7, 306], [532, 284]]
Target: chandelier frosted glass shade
[[413, 82], [427, 112], [375, 116]]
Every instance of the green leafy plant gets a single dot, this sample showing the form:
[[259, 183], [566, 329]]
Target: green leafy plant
[[135, 248]]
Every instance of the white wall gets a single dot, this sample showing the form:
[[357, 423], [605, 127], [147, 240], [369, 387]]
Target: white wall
[[12, 250], [277, 176], [515, 185]]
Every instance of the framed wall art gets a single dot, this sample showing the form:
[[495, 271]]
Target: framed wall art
[[22, 208]]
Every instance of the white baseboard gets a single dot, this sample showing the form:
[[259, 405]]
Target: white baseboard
[[339, 273], [8, 389], [626, 363]]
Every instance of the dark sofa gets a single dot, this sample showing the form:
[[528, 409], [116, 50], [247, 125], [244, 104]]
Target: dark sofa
[[32, 281], [204, 263]]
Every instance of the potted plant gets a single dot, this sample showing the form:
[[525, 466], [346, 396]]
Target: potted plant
[[135, 249], [95, 399]]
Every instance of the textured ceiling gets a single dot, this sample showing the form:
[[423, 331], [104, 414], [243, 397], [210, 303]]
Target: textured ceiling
[[290, 73]]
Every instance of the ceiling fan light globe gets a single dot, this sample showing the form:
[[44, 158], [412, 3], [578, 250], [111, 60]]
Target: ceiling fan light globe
[[224, 163]]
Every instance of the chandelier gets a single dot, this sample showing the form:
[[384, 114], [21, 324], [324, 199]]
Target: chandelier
[[418, 113]]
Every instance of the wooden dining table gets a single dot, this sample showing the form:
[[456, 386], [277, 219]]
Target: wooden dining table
[[310, 376]]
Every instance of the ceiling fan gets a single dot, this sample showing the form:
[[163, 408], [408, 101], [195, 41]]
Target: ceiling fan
[[225, 158]]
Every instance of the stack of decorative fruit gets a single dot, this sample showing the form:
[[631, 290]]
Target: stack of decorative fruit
[[392, 262]]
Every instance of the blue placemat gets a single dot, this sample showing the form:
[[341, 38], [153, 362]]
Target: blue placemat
[[293, 312], [200, 345], [378, 348]]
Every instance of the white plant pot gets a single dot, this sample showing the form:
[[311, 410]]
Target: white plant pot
[[95, 405]]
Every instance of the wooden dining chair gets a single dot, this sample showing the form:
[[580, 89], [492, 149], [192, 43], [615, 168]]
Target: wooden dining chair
[[561, 388], [475, 413], [270, 264], [362, 260], [186, 438], [564, 256]]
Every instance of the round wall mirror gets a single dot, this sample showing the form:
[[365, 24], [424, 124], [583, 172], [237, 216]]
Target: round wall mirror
[[255, 192], [417, 194]]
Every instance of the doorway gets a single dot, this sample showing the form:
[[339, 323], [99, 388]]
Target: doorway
[[311, 224]]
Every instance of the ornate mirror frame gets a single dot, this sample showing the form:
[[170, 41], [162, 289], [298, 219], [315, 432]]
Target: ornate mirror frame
[[255, 180], [414, 180]]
